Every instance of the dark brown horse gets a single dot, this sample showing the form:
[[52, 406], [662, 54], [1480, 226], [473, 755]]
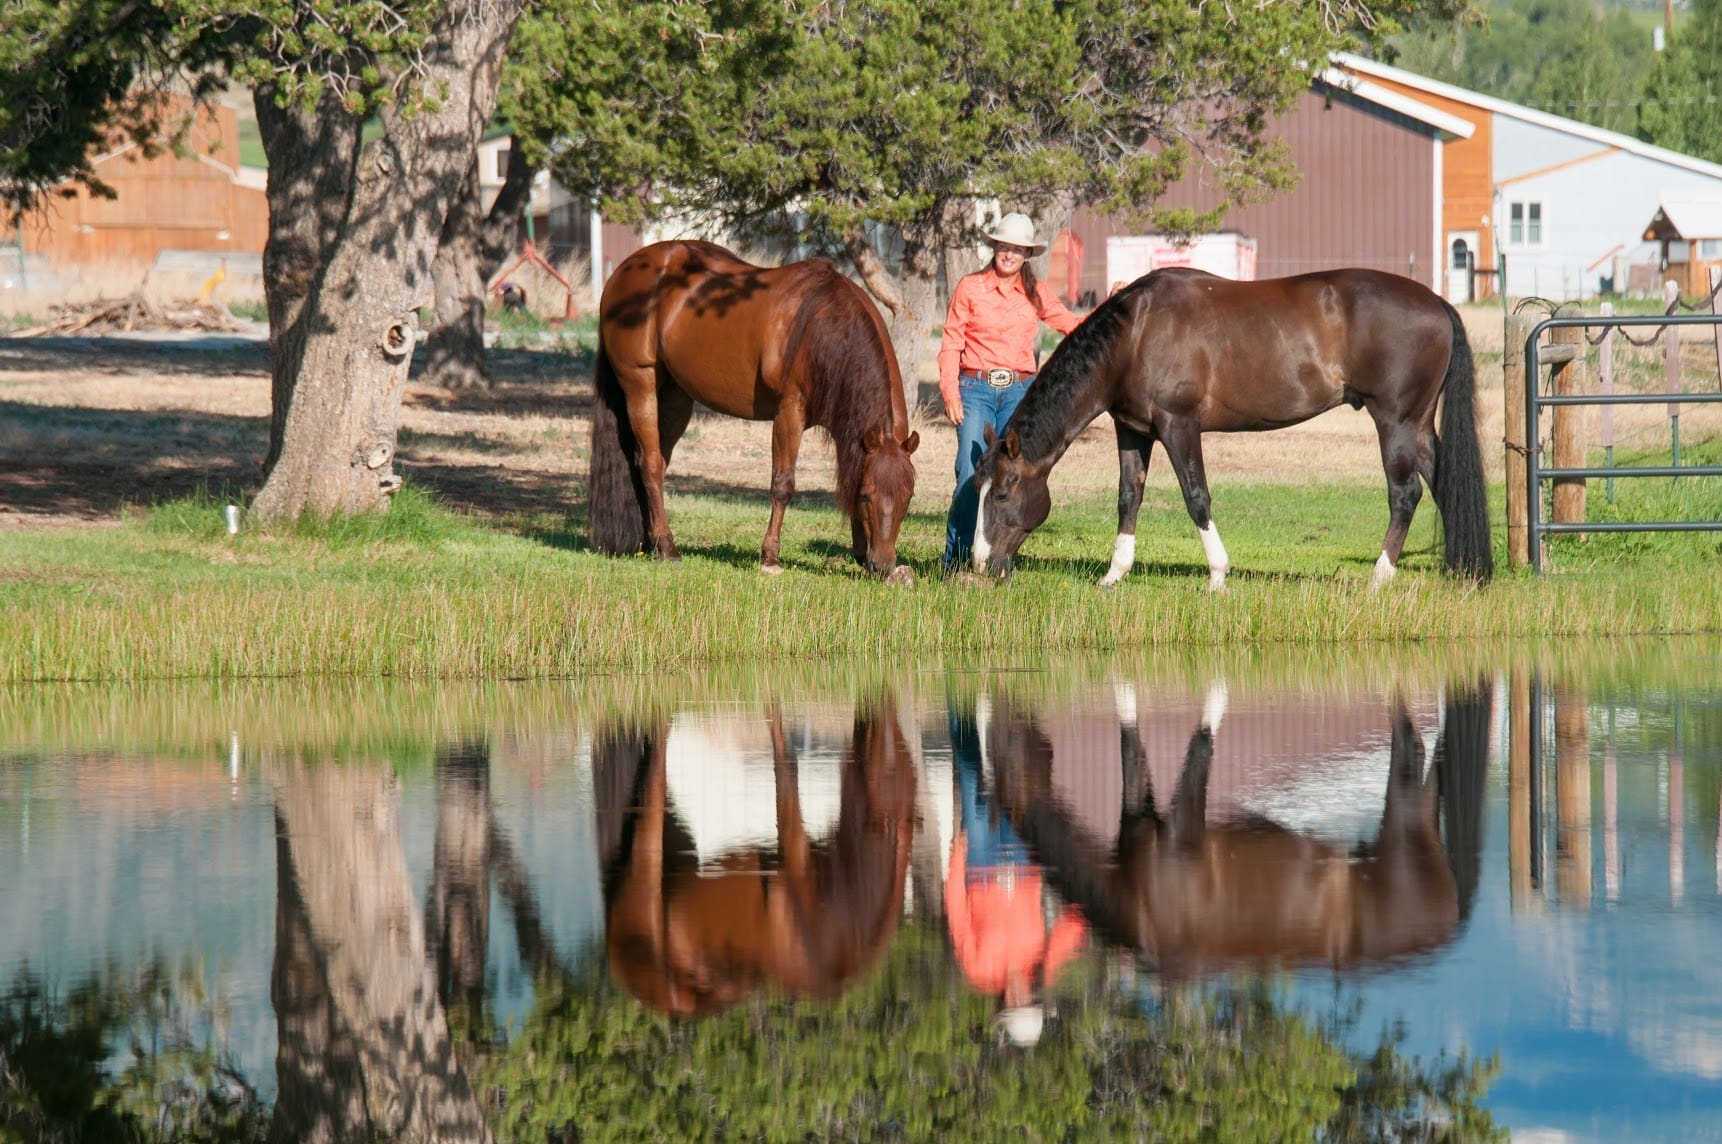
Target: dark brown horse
[[1179, 353], [1191, 897], [806, 917], [799, 345]]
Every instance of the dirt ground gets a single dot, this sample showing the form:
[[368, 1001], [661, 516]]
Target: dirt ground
[[89, 426]]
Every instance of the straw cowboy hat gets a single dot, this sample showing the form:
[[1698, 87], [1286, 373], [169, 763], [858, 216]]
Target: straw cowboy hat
[[1022, 1024], [1016, 229]]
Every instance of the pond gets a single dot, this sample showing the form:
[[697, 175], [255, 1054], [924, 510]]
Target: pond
[[1344, 895]]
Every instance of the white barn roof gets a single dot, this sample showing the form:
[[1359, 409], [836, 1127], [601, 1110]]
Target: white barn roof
[[1395, 101], [1690, 214], [1626, 143]]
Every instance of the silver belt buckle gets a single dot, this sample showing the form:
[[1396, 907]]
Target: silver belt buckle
[[1000, 378]]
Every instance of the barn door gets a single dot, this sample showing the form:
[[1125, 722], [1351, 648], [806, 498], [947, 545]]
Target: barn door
[[1461, 261]]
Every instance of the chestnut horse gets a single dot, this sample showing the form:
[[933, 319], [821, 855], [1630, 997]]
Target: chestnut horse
[[1179, 353], [1193, 898], [807, 917], [799, 345]]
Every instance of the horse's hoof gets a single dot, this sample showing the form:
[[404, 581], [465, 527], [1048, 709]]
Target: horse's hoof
[[771, 569], [1106, 585], [901, 574]]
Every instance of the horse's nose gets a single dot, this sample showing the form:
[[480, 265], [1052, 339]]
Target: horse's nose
[[1000, 566]]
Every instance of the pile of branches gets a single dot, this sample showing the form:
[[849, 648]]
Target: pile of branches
[[129, 314]]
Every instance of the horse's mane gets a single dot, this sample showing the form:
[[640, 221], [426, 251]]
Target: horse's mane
[[836, 338], [1040, 421]]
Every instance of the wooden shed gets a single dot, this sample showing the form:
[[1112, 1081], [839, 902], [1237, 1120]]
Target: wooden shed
[[1689, 228], [197, 197]]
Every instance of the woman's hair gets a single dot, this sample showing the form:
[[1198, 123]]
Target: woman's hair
[[1030, 284]]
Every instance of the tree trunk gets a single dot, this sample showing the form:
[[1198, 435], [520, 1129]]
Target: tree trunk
[[459, 915], [920, 315], [363, 1047], [454, 352], [873, 274], [473, 248], [357, 251]]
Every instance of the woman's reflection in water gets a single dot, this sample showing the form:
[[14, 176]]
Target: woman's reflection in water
[[993, 899], [806, 916], [1192, 897]]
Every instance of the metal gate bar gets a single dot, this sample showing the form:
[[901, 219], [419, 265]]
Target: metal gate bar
[[1536, 474]]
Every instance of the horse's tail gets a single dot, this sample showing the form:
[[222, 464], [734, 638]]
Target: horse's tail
[[616, 495], [1461, 775], [1460, 490]]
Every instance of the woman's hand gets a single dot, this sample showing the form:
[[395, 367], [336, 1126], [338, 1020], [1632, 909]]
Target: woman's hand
[[954, 410]]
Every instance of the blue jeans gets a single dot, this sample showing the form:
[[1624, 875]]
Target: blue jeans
[[992, 842], [983, 405]]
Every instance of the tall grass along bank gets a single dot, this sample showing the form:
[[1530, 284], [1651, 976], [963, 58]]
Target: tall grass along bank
[[422, 593]]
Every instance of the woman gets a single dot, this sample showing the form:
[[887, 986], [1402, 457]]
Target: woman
[[987, 358], [1000, 934]]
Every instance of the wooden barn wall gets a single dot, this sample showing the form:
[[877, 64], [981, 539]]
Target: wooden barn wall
[[1366, 196], [1467, 169], [167, 201]]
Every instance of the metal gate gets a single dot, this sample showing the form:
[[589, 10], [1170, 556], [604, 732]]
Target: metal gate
[[1536, 474]]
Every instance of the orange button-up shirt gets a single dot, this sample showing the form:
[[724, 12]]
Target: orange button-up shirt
[[991, 325], [998, 931]]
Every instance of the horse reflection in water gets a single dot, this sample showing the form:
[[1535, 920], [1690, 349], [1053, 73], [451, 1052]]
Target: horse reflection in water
[[805, 916], [1192, 897]]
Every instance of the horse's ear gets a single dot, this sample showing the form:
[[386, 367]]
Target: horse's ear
[[911, 442], [1012, 446], [872, 438], [988, 434]]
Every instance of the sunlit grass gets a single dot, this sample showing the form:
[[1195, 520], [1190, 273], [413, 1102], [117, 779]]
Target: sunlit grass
[[424, 593]]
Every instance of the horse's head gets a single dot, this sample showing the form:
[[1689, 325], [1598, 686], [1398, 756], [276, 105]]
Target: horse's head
[[882, 498], [1013, 501]]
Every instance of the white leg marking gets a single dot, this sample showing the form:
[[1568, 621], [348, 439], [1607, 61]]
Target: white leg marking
[[1217, 562], [1383, 571], [982, 549], [1124, 701], [983, 724], [1123, 558], [1214, 707]]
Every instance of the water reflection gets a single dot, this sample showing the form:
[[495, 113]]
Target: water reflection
[[1138, 899], [1192, 897], [802, 915]]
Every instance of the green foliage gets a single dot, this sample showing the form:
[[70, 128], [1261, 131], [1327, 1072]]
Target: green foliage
[[1569, 57], [910, 1053], [74, 76], [120, 1057], [827, 117], [1683, 98]]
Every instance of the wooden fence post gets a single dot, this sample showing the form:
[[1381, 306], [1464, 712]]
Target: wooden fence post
[[1513, 418], [1520, 833], [1567, 435], [1716, 308], [1671, 366], [1605, 378], [1572, 796]]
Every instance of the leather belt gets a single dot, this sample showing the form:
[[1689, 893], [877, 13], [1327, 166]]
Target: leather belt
[[997, 378]]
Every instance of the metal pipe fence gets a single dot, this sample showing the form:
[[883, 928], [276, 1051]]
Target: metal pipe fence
[[1536, 473]]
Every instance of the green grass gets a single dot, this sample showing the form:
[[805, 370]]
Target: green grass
[[423, 593]]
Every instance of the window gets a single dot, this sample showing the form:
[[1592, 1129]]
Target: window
[[501, 171], [1710, 249], [1461, 254], [1525, 223]]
